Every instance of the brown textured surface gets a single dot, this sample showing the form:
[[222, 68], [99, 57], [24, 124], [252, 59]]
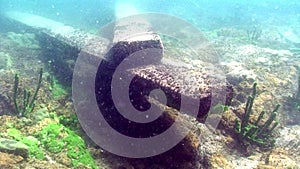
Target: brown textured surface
[[148, 49], [193, 85], [6, 88], [179, 82], [9, 161]]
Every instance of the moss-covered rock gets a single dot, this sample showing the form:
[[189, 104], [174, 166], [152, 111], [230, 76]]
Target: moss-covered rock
[[14, 147], [32, 143]]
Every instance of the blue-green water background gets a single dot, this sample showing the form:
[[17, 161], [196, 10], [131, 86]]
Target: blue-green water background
[[206, 14]]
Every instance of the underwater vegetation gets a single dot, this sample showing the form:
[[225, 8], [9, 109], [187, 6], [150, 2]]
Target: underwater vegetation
[[257, 133], [49, 127], [55, 138], [57, 89], [30, 141], [26, 104], [253, 34]]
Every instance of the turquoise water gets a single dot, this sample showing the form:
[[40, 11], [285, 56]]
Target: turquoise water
[[96, 13], [239, 60]]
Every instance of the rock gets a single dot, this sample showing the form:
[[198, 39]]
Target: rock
[[5, 60], [26, 40], [6, 105], [14, 147], [290, 34], [219, 161], [289, 138], [9, 161], [245, 163], [228, 120], [237, 73], [34, 163], [62, 158], [230, 32], [280, 158]]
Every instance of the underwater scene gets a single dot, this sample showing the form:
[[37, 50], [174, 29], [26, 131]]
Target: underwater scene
[[152, 84]]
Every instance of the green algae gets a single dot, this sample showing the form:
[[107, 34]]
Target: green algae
[[57, 138], [57, 89], [71, 121], [15, 134], [33, 144], [34, 149]]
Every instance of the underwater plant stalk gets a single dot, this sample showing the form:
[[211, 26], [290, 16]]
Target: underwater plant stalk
[[298, 92], [16, 85], [246, 114], [28, 102], [37, 88], [274, 126], [269, 121], [248, 108], [261, 115], [250, 133], [24, 99], [253, 132]]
